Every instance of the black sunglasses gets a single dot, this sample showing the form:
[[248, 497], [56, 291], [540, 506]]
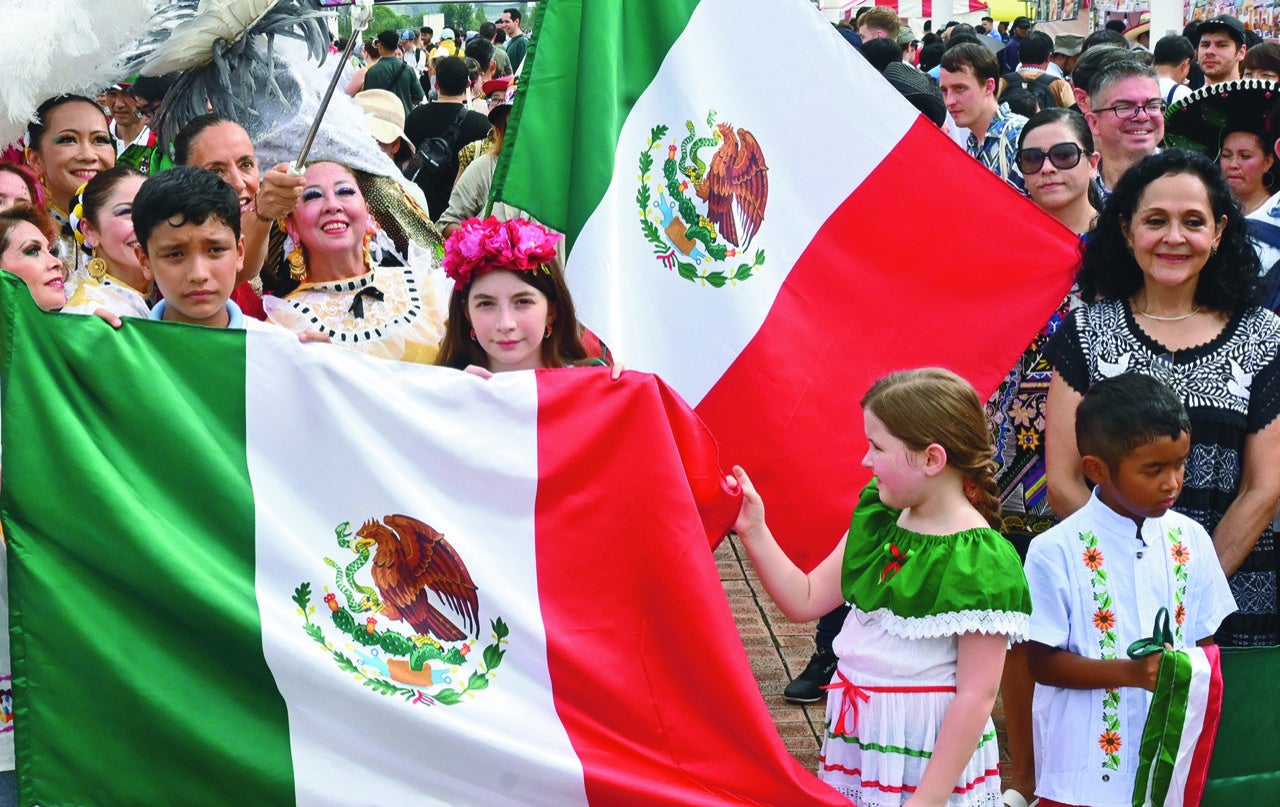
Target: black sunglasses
[[1062, 155]]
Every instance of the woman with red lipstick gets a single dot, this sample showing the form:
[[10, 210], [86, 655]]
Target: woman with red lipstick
[[68, 144], [25, 236], [114, 279], [1174, 278], [351, 284]]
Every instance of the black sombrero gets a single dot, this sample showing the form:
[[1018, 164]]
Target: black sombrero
[[1200, 121]]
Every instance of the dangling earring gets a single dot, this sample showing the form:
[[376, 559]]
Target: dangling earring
[[473, 335], [297, 264], [97, 268], [548, 333], [368, 250]]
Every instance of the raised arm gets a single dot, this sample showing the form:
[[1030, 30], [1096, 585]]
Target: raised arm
[[801, 596]]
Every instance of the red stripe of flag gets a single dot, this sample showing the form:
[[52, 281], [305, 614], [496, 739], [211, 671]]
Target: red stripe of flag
[[649, 676], [1198, 774], [931, 261]]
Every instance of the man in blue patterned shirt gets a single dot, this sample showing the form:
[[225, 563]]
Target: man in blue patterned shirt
[[968, 79]]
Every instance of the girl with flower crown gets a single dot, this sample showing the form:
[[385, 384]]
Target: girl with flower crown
[[510, 308], [351, 286]]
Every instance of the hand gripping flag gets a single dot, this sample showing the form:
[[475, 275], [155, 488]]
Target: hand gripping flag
[[1178, 739]]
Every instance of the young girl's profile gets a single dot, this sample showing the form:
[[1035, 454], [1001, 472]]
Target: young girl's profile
[[936, 595]]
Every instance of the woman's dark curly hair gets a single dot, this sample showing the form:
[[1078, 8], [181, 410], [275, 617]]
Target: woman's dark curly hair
[[1229, 280]]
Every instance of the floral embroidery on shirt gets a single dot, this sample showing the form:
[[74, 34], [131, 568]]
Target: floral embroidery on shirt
[[1181, 556], [1104, 619]]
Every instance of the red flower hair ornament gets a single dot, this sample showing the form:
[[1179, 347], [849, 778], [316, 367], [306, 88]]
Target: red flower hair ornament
[[478, 247]]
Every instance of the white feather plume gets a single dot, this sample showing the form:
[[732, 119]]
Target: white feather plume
[[50, 47], [191, 43]]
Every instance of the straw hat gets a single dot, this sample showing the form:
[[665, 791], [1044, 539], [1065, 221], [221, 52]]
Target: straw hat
[[383, 115]]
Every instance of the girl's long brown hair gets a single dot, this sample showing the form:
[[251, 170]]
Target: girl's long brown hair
[[933, 405]]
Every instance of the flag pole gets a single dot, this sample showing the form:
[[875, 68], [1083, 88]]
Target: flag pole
[[361, 15]]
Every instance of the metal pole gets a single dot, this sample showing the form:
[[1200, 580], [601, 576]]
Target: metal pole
[[361, 14]]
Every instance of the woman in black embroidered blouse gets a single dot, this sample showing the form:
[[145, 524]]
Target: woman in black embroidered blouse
[[1173, 280]]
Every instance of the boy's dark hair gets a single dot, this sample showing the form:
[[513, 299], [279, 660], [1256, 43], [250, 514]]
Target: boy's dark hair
[[1100, 37], [193, 194], [426, 30], [1122, 413], [881, 52], [487, 30], [1021, 102], [451, 75], [513, 12], [1173, 50], [388, 39], [978, 58], [481, 49], [1035, 48]]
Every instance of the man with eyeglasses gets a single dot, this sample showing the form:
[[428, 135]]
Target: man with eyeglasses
[[1126, 116]]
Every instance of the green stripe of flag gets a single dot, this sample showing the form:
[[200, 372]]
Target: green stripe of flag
[[588, 63], [176, 699]]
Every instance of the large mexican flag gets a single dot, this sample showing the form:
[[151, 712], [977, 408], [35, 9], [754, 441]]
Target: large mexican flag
[[248, 571], [754, 214]]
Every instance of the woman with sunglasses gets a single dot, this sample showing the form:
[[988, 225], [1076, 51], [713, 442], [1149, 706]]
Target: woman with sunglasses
[[1058, 163], [1173, 276]]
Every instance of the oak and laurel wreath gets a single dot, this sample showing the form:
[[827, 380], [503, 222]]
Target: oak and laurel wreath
[[397, 645], [653, 235]]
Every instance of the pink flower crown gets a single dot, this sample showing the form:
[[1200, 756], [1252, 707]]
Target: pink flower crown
[[479, 247]]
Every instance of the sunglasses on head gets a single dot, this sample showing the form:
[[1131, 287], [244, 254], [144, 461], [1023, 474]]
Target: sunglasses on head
[[1062, 155]]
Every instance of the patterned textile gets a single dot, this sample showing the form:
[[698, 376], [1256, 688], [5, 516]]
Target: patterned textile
[[999, 148], [1016, 416], [394, 312], [86, 294], [1231, 389]]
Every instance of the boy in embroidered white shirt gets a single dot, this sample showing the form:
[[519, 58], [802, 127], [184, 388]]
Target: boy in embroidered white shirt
[[1097, 581]]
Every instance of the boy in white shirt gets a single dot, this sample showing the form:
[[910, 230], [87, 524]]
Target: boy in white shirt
[[1098, 580]]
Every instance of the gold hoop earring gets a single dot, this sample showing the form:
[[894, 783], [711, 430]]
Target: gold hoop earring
[[97, 268], [297, 264]]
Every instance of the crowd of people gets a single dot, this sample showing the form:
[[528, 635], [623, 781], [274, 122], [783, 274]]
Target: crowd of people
[[1135, 436]]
